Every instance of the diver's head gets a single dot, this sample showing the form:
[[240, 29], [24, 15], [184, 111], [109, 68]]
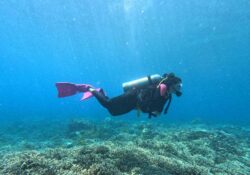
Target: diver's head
[[173, 83]]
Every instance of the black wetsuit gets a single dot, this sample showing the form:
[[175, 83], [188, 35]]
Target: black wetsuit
[[148, 100]]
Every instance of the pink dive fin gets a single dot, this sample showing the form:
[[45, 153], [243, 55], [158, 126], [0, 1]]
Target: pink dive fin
[[66, 89], [88, 94]]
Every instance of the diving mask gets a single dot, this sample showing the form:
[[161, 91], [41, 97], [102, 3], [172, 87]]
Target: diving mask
[[177, 89]]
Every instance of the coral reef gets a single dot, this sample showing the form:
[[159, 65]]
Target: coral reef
[[115, 147]]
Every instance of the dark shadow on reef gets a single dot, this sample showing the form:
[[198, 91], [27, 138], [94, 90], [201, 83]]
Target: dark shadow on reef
[[113, 147]]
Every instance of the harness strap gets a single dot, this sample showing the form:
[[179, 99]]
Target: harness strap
[[138, 110], [169, 102]]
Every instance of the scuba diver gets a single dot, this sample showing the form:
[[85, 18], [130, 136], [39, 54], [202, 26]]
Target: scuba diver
[[148, 94]]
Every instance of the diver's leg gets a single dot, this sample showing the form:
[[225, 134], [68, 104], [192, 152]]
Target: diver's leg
[[103, 100], [118, 105], [122, 104]]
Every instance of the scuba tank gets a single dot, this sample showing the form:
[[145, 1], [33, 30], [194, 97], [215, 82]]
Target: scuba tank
[[142, 82]]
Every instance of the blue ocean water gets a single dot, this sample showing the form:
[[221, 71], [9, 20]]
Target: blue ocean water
[[106, 43]]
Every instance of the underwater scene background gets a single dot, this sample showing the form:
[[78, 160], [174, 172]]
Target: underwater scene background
[[107, 43]]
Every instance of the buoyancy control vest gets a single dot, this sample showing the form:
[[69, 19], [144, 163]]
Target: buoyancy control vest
[[149, 98]]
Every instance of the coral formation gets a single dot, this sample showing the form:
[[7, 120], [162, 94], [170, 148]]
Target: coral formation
[[114, 147]]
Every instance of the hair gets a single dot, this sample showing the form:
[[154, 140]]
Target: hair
[[171, 79]]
